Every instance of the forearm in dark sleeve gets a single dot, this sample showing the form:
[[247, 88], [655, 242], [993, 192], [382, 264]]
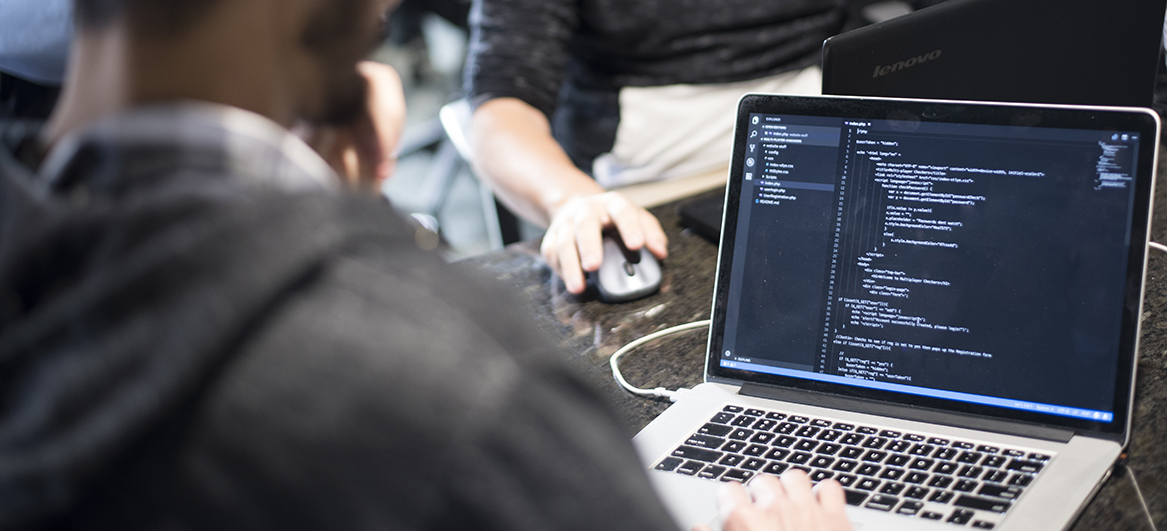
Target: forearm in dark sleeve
[[519, 49]]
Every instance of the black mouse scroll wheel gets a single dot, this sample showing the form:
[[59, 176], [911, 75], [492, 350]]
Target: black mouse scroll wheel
[[628, 268]]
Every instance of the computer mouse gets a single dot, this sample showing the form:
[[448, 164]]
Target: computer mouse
[[625, 275]]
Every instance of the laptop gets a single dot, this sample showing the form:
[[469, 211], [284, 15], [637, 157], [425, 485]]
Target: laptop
[[935, 303], [1089, 52]]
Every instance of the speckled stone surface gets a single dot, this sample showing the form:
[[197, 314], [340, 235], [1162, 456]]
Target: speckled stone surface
[[591, 331]]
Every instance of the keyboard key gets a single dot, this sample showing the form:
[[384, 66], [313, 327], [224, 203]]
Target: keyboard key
[[762, 437], [820, 475], [913, 437], [960, 517], [1029, 467], [775, 415], [899, 460], [690, 468], [786, 428], [940, 496], [734, 446], [868, 484], [830, 435], [996, 476], [741, 434], [875, 456], [983, 504], [1014, 453], [917, 492], [775, 468], [855, 497], [971, 472], [1021, 480], [874, 443], [890, 434], [916, 477], [965, 485], [929, 515], [986, 449], [799, 458], [765, 425], [981, 524], [821, 423], [1038, 457], [738, 475], [722, 418], [947, 454], [742, 421], [803, 468], [843, 427], [882, 503], [963, 445], [806, 445], [755, 412], [851, 453], [899, 446], [807, 431], [910, 508], [822, 461], [868, 469], [892, 488], [755, 450], [940, 482], [731, 460], [828, 449], [798, 419], [851, 439], [754, 463], [777, 454], [923, 450], [947, 468], [669, 464], [705, 441], [970, 458], [732, 409], [922, 464], [893, 474], [1000, 491], [711, 472], [845, 466], [937, 441], [785, 441], [995, 461], [716, 430], [866, 430], [846, 480], [696, 454]]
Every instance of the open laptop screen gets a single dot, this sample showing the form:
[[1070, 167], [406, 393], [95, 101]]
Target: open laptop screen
[[962, 262]]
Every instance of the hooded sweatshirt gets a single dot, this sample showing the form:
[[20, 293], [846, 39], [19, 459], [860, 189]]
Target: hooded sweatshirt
[[199, 331]]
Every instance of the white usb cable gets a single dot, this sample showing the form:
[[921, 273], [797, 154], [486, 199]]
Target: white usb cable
[[659, 392]]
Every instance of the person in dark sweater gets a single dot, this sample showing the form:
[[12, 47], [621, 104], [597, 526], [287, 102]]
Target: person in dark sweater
[[575, 97], [200, 328]]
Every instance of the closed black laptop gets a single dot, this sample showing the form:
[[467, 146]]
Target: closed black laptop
[[1089, 52]]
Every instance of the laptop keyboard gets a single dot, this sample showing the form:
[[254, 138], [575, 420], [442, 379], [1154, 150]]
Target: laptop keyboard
[[915, 475]]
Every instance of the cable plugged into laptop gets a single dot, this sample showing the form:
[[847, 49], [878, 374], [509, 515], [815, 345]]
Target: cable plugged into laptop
[[659, 392], [1120, 466]]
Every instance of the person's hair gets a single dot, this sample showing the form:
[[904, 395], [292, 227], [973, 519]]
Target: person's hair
[[150, 17]]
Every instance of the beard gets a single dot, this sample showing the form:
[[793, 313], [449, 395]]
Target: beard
[[341, 33]]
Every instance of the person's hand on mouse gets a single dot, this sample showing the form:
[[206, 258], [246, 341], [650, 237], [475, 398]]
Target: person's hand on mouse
[[788, 503], [573, 243]]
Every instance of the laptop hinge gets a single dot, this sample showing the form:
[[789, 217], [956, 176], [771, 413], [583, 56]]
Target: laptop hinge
[[811, 398]]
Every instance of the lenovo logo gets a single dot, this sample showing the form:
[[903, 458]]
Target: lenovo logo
[[885, 70]]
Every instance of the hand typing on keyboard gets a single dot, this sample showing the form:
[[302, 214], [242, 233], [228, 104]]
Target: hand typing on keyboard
[[786, 504]]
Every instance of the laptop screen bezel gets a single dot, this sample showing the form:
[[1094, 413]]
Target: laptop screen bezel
[[1142, 121]]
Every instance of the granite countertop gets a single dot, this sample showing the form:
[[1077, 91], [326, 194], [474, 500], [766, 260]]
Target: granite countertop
[[591, 331]]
